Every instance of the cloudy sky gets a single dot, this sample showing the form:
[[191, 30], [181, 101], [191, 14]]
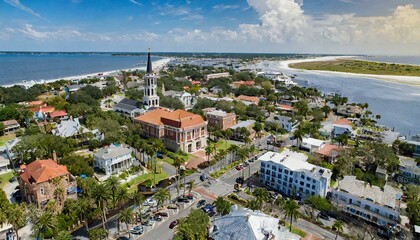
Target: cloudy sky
[[386, 27]]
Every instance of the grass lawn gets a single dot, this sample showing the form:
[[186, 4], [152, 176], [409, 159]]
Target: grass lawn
[[4, 178], [132, 184], [170, 160], [296, 230], [223, 170], [6, 138], [222, 144], [357, 66]]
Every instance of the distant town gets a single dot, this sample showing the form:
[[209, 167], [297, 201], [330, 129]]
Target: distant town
[[199, 147]]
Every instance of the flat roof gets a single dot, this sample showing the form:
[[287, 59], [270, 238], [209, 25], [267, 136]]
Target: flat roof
[[361, 189], [313, 141], [296, 161], [243, 124]]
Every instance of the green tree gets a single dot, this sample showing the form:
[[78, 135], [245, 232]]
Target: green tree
[[253, 205], [16, 216], [125, 216], [161, 196], [291, 211], [222, 206], [191, 185], [101, 195], [2, 129], [261, 195], [63, 235], [97, 234], [338, 226], [138, 200], [112, 184], [193, 227]]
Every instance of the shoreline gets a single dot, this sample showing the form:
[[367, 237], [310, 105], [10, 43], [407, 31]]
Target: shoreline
[[408, 80], [28, 83]]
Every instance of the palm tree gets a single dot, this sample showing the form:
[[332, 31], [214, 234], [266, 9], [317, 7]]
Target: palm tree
[[16, 216], [177, 164], [209, 151], [183, 175], [191, 185], [112, 184], [253, 205], [125, 216], [298, 134], [242, 155], [161, 196], [338, 226], [63, 235], [222, 206], [155, 147], [122, 196], [261, 195], [138, 200], [43, 222], [233, 149], [101, 195], [291, 210]]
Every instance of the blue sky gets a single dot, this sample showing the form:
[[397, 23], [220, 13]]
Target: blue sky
[[301, 26]]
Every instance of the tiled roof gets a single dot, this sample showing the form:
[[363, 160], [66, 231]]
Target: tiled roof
[[44, 109], [285, 107], [41, 171], [343, 121], [246, 83], [247, 98], [9, 122], [59, 113], [327, 149], [178, 118], [35, 103]]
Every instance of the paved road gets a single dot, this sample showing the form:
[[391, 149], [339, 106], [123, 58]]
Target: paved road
[[315, 230], [168, 168]]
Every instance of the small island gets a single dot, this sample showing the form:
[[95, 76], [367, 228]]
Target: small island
[[361, 67]]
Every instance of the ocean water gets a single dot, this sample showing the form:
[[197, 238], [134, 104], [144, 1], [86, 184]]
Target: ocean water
[[415, 60], [15, 67]]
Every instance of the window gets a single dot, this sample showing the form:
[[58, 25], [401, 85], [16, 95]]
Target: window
[[286, 171], [291, 172], [280, 170], [291, 180], [302, 183], [313, 181], [308, 185], [307, 191], [308, 178], [303, 177], [262, 164], [313, 193], [42, 191], [313, 187], [301, 189]]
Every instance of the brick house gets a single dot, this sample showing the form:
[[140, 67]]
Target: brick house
[[45, 180], [178, 129], [221, 119]]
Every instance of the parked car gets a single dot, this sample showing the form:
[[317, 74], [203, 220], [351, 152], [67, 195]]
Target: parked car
[[252, 159], [123, 238], [173, 224], [323, 216], [240, 180], [181, 199], [203, 177], [172, 206], [211, 214], [207, 208], [190, 196], [238, 168], [157, 218], [163, 214], [147, 223], [200, 203], [246, 164], [12, 179], [150, 202], [137, 230]]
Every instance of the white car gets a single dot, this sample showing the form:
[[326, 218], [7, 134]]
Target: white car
[[150, 202]]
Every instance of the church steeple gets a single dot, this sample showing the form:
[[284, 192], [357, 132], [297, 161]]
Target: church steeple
[[149, 63]]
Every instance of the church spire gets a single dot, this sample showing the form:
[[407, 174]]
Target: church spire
[[149, 63]]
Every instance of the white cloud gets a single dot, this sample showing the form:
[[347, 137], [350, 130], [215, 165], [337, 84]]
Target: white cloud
[[19, 5], [135, 2]]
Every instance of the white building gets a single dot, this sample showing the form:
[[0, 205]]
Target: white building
[[370, 203], [150, 97], [409, 171], [289, 173], [312, 144], [216, 75], [247, 224], [287, 123], [113, 159]]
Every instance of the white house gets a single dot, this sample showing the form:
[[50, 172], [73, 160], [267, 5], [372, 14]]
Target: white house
[[289, 172], [113, 159], [370, 203], [343, 126], [409, 171], [312, 144], [286, 122], [242, 223]]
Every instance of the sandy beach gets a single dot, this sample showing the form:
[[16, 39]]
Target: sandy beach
[[410, 80], [156, 65]]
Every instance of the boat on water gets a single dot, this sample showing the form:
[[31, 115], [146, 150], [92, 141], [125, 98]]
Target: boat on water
[[287, 80]]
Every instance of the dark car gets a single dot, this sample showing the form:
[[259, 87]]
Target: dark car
[[207, 208], [211, 214], [172, 206], [163, 214], [240, 180], [201, 203], [12, 179], [173, 224], [137, 230], [246, 164], [123, 238], [203, 177], [157, 218], [324, 216], [181, 199]]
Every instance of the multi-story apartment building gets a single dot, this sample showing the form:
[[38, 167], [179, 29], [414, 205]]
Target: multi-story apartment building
[[178, 129], [221, 119], [113, 159], [370, 203], [289, 173], [45, 180]]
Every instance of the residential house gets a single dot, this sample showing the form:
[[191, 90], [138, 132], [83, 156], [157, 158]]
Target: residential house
[[248, 100], [373, 204], [69, 89], [113, 159], [416, 144], [289, 173], [348, 110], [326, 129], [129, 108], [312, 144], [10, 126], [42, 112], [188, 99], [237, 84], [329, 152], [381, 173], [343, 126], [221, 119], [4, 164], [58, 115], [242, 223], [216, 89], [42, 180], [287, 123], [284, 108], [9, 148], [216, 75], [237, 133], [69, 128], [409, 171], [178, 129]]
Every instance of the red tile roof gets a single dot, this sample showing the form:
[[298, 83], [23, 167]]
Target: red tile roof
[[35, 103], [41, 171], [44, 109], [178, 118], [343, 121], [248, 98], [327, 149], [59, 113], [195, 82], [246, 83], [285, 107]]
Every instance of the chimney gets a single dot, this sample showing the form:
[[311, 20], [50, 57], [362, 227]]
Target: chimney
[[54, 156]]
